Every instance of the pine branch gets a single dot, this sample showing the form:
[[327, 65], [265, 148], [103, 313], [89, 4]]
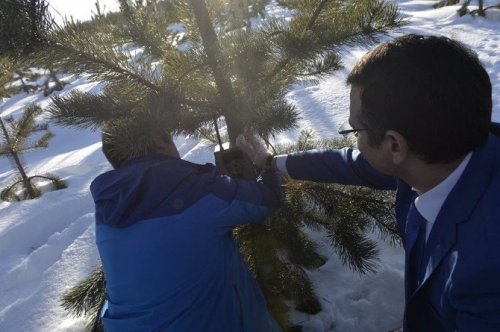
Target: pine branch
[[87, 298], [296, 286], [56, 181], [315, 15], [24, 126], [78, 49], [85, 110], [21, 188], [381, 16], [42, 142], [99, 69], [308, 27], [136, 29], [307, 37], [346, 227], [275, 118], [389, 229], [187, 73], [320, 67], [6, 137], [146, 25], [362, 253], [315, 220], [300, 250]]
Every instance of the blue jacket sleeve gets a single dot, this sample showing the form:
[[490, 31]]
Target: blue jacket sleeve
[[343, 166], [247, 201]]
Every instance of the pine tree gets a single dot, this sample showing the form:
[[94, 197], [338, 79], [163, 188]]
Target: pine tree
[[14, 141], [23, 23], [242, 76], [191, 67]]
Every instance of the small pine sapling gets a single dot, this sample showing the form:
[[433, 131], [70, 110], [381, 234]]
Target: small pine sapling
[[14, 138]]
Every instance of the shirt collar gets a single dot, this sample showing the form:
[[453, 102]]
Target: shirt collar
[[429, 203]]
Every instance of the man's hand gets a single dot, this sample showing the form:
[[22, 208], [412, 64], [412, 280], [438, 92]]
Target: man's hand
[[255, 148]]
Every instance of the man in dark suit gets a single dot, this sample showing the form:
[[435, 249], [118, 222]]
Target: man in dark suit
[[421, 111]]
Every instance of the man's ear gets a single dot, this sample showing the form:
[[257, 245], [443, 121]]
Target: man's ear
[[396, 146]]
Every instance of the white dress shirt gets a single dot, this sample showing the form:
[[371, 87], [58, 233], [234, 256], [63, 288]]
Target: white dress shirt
[[429, 203]]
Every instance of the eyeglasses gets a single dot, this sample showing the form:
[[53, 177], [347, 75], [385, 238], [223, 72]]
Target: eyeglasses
[[346, 129]]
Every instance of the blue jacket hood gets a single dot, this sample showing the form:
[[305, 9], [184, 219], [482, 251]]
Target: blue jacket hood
[[140, 189]]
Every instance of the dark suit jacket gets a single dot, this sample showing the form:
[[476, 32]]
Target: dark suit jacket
[[460, 282]]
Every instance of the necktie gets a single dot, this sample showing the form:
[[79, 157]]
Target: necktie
[[414, 245]]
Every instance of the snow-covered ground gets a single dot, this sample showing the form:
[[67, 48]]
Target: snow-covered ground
[[79, 9], [47, 245]]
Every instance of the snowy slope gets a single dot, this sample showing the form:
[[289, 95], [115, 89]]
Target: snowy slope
[[79, 10], [47, 245]]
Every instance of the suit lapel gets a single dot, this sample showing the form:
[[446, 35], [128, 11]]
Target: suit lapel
[[456, 209]]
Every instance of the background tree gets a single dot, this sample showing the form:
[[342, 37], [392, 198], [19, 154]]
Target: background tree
[[185, 66], [443, 3], [464, 9], [15, 141], [6, 75], [481, 10], [23, 29]]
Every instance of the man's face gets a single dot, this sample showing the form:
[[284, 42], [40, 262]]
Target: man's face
[[375, 155]]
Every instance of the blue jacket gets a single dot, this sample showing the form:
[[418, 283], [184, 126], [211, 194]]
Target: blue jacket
[[164, 234], [460, 285]]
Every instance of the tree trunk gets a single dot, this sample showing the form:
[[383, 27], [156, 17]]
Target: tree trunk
[[224, 86], [480, 10], [27, 183], [23, 84], [34, 20], [15, 156]]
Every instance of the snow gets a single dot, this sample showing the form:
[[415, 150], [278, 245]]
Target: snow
[[47, 245], [81, 10]]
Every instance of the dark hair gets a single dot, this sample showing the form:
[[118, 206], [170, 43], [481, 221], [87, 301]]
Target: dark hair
[[122, 143], [432, 90], [112, 158]]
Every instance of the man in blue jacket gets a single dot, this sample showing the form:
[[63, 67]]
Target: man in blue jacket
[[421, 111], [164, 233]]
